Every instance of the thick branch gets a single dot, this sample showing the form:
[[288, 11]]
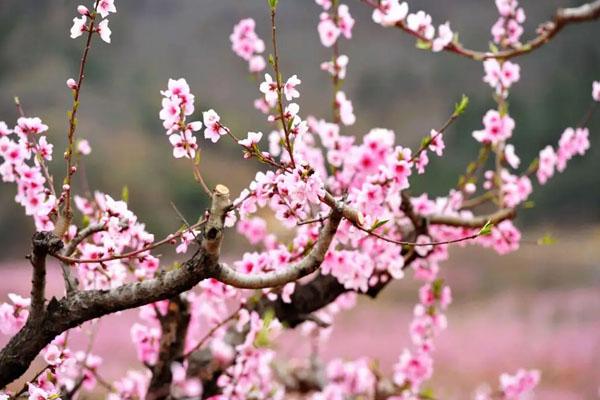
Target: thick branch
[[74, 310], [308, 265], [174, 327], [43, 243]]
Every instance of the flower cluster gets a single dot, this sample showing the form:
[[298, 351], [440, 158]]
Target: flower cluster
[[246, 44], [513, 387], [334, 23], [497, 128], [25, 152], [177, 104], [572, 142], [415, 367], [81, 24], [508, 28], [392, 13], [501, 75]]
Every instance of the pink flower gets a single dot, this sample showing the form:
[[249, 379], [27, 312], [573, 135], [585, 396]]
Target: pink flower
[[328, 30], [44, 149], [170, 112], [572, 142], [445, 36], [437, 142], [105, 7], [501, 77], [214, 130], [104, 30], [83, 10], [596, 90], [184, 144], [83, 147], [269, 89], [78, 27], [257, 64], [413, 369], [4, 131], [337, 67], [29, 126], [516, 386], [289, 88], [345, 21], [346, 109], [421, 24], [71, 84], [390, 12], [511, 158], [252, 139], [326, 4], [244, 40], [497, 128]]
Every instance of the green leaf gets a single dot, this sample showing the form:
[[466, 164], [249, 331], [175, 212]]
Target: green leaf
[[378, 223], [85, 221], [529, 204], [423, 44], [271, 59], [125, 194], [486, 229], [272, 4], [461, 106], [493, 48], [262, 337], [547, 240]]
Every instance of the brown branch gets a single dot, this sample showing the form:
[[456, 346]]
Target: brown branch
[[547, 30], [71, 311], [174, 326], [71, 282], [43, 243], [473, 222], [73, 123], [306, 266]]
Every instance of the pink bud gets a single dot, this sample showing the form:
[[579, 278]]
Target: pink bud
[[73, 169], [83, 10], [71, 84], [66, 187]]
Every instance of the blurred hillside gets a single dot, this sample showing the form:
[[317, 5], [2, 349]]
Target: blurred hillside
[[391, 83]]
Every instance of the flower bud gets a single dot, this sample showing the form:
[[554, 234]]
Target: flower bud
[[71, 84], [83, 10]]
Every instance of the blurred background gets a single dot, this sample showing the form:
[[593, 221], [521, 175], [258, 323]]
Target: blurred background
[[538, 307]]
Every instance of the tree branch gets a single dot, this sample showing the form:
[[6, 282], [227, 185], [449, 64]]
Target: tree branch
[[306, 266], [547, 30], [43, 243], [473, 222], [71, 282], [174, 326]]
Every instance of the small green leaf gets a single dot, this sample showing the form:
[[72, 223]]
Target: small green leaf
[[125, 194], [423, 44], [85, 221], [529, 204], [486, 229], [426, 141], [378, 224], [493, 48], [271, 59], [272, 4], [546, 240], [262, 337], [461, 106]]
